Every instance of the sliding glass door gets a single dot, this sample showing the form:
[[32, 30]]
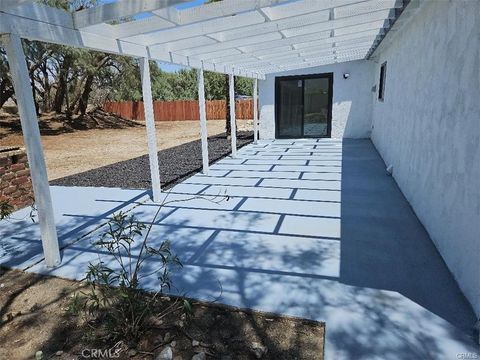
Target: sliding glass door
[[303, 106], [291, 115]]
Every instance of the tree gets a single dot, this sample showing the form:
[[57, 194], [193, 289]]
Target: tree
[[6, 86], [66, 80], [62, 77]]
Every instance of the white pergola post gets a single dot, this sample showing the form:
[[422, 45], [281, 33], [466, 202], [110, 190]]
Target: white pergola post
[[255, 111], [233, 125], [31, 134], [151, 132], [203, 119]]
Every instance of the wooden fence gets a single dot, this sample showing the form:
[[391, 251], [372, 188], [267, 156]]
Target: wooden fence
[[179, 110]]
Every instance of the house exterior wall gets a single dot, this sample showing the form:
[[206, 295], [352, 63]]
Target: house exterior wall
[[351, 110], [428, 129]]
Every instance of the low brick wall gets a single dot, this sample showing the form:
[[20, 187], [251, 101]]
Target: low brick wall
[[15, 182]]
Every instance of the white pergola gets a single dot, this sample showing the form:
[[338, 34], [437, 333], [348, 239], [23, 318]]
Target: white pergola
[[248, 38]]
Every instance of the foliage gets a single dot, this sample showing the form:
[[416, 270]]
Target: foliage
[[6, 209], [115, 297], [6, 87], [68, 80]]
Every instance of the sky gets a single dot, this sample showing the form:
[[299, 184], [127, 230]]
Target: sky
[[166, 66]]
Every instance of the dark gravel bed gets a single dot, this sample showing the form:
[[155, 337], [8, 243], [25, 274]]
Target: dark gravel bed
[[176, 164]]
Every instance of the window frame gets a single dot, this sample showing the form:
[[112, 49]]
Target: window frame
[[381, 84]]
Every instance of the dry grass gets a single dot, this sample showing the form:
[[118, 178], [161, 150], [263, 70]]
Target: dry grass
[[72, 150]]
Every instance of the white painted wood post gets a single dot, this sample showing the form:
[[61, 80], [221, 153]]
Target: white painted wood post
[[31, 134], [233, 126], [151, 132], [203, 119], [255, 110]]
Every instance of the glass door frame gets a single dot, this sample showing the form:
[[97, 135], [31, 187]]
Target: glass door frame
[[278, 79]]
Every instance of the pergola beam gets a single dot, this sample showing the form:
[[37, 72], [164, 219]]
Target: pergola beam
[[9, 4], [253, 22], [275, 37], [303, 64], [36, 159], [317, 50], [304, 42], [56, 34], [308, 40], [117, 10], [159, 54], [319, 19], [214, 10], [196, 18], [295, 8], [51, 33], [240, 59], [42, 13], [198, 29], [262, 38]]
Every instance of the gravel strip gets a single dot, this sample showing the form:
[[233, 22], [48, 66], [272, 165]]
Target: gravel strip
[[176, 164]]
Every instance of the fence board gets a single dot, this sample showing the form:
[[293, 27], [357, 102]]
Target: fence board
[[179, 110]]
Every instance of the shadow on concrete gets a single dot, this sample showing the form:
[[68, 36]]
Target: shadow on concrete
[[309, 228]]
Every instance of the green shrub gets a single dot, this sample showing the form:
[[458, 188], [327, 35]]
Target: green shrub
[[115, 297], [5, 209]]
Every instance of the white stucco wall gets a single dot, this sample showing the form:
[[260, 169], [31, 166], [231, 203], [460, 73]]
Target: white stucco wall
[[351, 110], [428, 128]]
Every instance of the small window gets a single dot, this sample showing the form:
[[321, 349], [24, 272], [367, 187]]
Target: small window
[[381, 87]]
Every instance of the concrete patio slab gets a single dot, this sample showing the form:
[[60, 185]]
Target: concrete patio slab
[[349, 252], [293, 207], [325, 162], [310, 168], [302, 184], [318, 195], [304, 255], [20, 245], [275, 162], [250, 192]]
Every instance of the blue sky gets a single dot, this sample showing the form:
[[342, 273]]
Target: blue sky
[[166, 66]]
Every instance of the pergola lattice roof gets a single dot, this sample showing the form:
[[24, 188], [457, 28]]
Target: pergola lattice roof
[[244, 37]]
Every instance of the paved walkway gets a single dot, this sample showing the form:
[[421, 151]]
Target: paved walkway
[[311, 228]]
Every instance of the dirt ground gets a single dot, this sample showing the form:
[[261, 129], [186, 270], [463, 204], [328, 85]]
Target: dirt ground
[[35, 316], [73, 149]]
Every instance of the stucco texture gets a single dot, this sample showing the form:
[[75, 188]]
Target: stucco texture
[[428, 129], [351, 110]]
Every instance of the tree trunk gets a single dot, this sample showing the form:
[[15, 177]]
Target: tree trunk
[[85, 85], [4, 96], [34, 94], [47, 105], [6, 91], [83, 102], [62, 86]]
